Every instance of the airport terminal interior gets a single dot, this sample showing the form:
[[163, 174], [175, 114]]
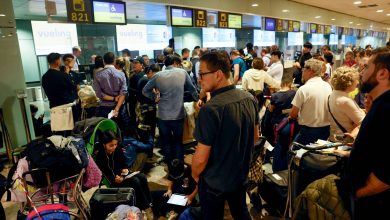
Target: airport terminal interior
[[180, 109]]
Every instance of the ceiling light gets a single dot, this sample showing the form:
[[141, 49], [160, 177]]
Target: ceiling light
[[380, 10], [317, 17], [3, 36], [255, 5], [333, 19], [2, 15], [358, 24], [285, 10], [357, 3], [351, 22], [388, 14]]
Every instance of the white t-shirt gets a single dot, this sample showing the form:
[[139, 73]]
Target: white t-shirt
[[276, 71], [328, 69], [312, 101]]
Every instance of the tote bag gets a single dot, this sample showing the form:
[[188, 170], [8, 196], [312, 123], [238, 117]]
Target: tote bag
[[61, 118]]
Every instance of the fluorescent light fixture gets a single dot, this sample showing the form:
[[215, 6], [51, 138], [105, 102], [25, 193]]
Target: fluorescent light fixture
[[380, 10], [255, 5], [357, 2], [285, 10], [333, 19], [2, 15], [317, 17]]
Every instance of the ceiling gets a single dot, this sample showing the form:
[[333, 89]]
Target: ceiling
[[152, 11], [367, 9]]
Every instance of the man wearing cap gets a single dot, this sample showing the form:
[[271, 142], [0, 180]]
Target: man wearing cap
[[171, 83], [110, 87], [301, 64], [76, 50], [138, 69]]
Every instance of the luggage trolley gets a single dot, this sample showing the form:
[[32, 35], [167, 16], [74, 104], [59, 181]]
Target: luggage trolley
[[51, 198]]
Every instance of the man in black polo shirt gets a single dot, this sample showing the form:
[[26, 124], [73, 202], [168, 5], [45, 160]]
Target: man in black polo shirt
[[58, 86], [368, 172], [226, 129], [301, 64]]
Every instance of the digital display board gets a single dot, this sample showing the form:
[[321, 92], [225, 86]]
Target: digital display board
[[270, 24], [333, 39], [217, 37], [295, 39], [313, 28], [181, 17], [234, 21], [296, 26], [200, 18], [263, 38], [53, 37], [79, 11], [142, 36], [317, 39], [109, 12]]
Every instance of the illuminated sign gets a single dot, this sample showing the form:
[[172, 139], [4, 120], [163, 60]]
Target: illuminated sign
[[269, 24], [181, 17], [109, 12], [222, 19], [200, 18], [234, 21], [313, 28], [79, 11]]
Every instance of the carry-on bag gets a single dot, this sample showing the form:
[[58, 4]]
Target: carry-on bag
[[104, 201]]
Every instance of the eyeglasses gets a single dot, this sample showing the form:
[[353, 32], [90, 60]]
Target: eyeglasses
[[202, 74]]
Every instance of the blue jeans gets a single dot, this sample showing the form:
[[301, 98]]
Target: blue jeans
[[309, 135], [213, 202], [171, 133]]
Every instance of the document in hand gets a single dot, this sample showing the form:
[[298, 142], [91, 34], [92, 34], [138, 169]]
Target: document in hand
[[131, 174], [177, 199]]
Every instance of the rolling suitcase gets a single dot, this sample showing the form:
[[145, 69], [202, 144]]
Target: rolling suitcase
[[104, 201]]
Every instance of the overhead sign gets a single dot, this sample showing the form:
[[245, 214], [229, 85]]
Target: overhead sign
[[320, 29], [296, 26], [270, 24], [313, 28], [222, 19], [79, 11], [328, 29], [200, 18], [279, 25], [234, 21], [181, 17]]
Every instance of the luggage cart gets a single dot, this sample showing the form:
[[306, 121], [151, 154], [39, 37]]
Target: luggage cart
[[54, 193]]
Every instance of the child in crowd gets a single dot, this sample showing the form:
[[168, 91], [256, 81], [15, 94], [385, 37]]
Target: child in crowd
[[180, 181]]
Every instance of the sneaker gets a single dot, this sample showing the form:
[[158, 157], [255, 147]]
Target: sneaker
[[172, 215]]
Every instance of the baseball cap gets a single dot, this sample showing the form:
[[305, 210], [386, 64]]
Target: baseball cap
[[138, 59]]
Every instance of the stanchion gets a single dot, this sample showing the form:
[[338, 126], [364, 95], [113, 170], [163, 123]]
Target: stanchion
[[21, 96]]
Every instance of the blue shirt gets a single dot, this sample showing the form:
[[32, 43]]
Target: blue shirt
[[111, 82], [242, 65], [172, 82]]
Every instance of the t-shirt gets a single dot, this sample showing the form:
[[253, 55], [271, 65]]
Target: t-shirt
[[371, 151], [226, 123], [242, 65], [184, 184], [58, 87]]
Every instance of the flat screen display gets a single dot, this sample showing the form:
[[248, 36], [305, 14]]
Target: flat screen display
[[313, 28], [270, 24], [317, 39], [181, 17], [53, 37], [296, 26], [342, 39], [109, 12], [333, 39], [234, 21], [295, 39], [143, 37], [263, 38], [218, 37]]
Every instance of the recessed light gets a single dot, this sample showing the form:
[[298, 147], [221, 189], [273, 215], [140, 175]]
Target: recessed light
[[255, 5], [285, 10], [380, 10], [388, 14], [333, 19], [317, 17], [2, 15], [357, 2], [358, 24], [3, 36], [351, 22]]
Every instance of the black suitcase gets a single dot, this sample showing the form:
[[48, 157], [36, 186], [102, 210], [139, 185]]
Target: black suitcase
[[104, 201]]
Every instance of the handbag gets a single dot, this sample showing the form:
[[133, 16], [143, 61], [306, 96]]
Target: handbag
[[338, 124], [61, 118], [93, 175]]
